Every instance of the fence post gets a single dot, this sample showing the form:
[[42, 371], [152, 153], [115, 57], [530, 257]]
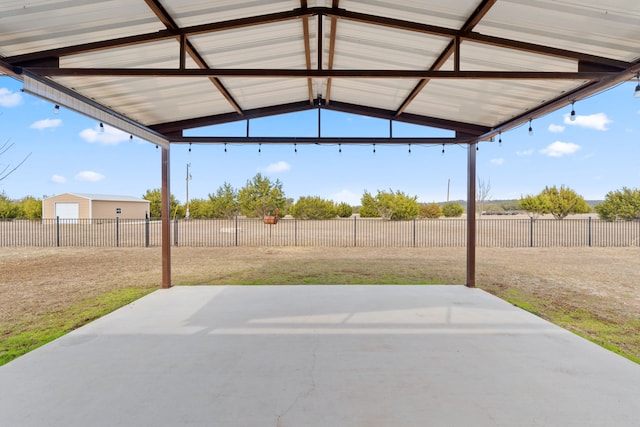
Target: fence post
[[58, 231], [295, 231], [146, 231], [589, 231], [236, 230], [175, 231], [354, 231], [531, 232], [414, 232], [117, 231]]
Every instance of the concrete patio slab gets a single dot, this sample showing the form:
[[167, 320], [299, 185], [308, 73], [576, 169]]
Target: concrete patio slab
[[320, 356]]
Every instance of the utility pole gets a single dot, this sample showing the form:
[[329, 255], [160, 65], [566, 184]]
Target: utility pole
[[188, 179]]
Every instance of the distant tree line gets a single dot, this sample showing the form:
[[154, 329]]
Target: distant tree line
[[260, 196]]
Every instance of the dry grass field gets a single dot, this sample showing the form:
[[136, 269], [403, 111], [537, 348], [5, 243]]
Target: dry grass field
[[593, 291]]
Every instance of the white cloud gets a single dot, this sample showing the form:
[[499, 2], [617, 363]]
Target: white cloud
[[278, 167], [556, 128], [598, 121], [347, 197], [497, 162], [9, 99], [110, 135], [524, 153], [89, 176], [58, 179], [559, 149], [46, 123]]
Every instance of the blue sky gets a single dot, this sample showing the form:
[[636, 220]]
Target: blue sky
[[596, 153]]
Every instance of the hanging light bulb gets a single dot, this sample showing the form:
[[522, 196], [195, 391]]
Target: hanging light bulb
[[636, 93], [572, 116], [101, 128], [339, 148], [500, 139], [477, 146], [295, 147], [259, 148], [409, 148], [130, 137], [530, 128], [225, 147], [374, 148], [443, 149], [56, 109]]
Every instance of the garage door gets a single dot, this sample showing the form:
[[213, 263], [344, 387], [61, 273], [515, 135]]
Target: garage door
[[69, 212]]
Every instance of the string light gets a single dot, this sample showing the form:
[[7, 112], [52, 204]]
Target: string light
[[572, 116], [189, 147], [443, 149], [130, 137], [56, 109], [500, 139], [225, 147], [259, 148], [409, 148], [530, 128], [374, 148], [295, 147], [101, 128], [339, 148], [477, 146]]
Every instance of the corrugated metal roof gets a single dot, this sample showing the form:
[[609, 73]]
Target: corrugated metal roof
[[126, 56]]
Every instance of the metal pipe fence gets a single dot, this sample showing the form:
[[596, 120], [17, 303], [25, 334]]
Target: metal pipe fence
[[348, 232]]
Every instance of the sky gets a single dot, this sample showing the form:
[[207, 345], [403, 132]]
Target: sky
[[65, 152]]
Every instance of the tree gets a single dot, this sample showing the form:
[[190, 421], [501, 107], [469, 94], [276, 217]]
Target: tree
[[344, 210], [199, 208], [620, 204], [452, 210], [533, 205], [224, 203], [155, 207], [483, 191], [260, 197], [430, 210], [564, 201], [389, 205], [30, 207], [308, 207], [8, 209], [8, 169]]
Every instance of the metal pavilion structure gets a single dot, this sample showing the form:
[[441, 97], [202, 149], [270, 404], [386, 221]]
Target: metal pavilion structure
[[156, 68]]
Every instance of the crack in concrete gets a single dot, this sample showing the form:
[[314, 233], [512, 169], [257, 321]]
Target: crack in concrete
[[312, 385]]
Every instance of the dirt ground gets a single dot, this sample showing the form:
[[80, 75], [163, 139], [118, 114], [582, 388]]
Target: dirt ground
[[37, 281]]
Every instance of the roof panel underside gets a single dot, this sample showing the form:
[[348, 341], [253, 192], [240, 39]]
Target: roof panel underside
[[196, 12], [444, 13], [56, 23], [604, 28]]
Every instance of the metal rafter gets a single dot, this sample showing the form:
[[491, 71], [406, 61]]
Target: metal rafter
[[314, 140], [452, 47], [307, 50], [332, 49], [321, 73], [187, 47]]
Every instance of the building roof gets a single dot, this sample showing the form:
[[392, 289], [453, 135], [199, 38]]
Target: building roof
[[104, 197], [156, 68]]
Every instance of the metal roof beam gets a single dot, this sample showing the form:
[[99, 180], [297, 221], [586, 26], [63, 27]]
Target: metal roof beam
[[300, 73], [462, 128], [314, 140], [307, 50], [178, 126]]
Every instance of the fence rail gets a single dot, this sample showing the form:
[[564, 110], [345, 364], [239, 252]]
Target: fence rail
[[355, 232]]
